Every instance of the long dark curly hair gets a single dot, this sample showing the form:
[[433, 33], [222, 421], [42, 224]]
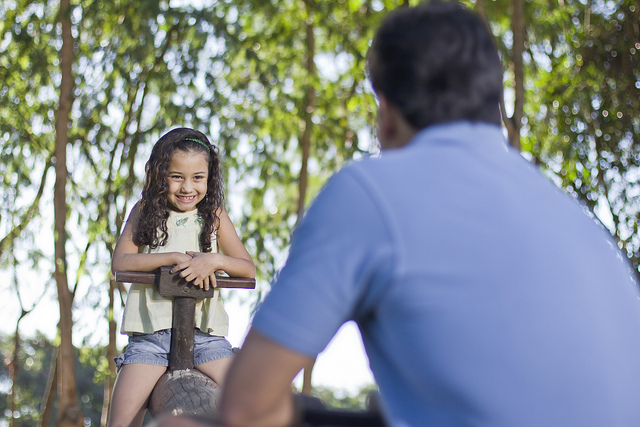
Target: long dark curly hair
[[154, 208]]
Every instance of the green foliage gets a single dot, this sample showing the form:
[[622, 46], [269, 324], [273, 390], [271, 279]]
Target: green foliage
[[582, 114], [26, 49], [341, 400], [34, 365], [270, 89]]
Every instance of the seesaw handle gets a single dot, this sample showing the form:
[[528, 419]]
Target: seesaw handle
[[150, 278]]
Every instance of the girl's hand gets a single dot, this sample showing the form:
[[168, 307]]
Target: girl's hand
[[212, 280], [199, 269], [181, 257]]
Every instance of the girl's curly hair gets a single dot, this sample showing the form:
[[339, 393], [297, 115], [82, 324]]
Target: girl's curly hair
[[154, 208]]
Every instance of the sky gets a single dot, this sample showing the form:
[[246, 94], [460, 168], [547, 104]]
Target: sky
[[343, 365]]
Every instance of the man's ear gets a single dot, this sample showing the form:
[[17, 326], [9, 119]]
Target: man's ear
[[386, 121], [393, 129]]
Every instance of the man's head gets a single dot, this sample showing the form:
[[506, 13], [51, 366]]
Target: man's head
[[436, 63]]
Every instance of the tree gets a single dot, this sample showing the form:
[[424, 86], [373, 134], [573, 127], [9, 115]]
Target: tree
[[276, 98], [583, 123], [69, 413], [36, 356], [126, 73], [305, 120], [30, 380], [572, 76], [14, 360], [26, 152]]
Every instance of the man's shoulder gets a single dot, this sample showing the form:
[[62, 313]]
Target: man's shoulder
[[353, 171], [374, 167], [358, 189]]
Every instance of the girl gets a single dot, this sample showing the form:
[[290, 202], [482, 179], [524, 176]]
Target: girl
[[179, 221]]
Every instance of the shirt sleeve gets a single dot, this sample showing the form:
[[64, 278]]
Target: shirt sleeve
[[341, 247]]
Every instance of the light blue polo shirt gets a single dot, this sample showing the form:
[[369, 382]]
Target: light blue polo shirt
[[485, 296]]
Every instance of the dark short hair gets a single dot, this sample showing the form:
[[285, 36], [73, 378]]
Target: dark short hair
[[438, 63]]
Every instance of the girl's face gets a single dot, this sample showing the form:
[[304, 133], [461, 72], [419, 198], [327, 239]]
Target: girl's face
[[187, 179]]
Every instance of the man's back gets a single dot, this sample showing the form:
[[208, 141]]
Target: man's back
[[485, 295], [507, 305]]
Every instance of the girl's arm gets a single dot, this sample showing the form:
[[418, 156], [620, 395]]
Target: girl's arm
[[234, 259], [126, 256]]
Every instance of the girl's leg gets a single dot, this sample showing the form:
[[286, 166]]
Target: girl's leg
[[131, 392], [216, 369]]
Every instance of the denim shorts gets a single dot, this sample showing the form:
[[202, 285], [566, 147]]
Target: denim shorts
[[153, 349]]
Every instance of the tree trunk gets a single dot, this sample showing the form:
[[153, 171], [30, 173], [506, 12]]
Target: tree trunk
[[111, 354], [519, 32], [309, 105], [479, 8], [46, 408], [307, 373], [310, 101], [69, 413], [14, 369]]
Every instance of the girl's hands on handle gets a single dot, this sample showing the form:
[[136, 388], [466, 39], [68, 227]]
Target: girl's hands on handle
[[234, 259], [200, 269]]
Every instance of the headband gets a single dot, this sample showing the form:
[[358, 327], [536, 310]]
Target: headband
[[199, 142]]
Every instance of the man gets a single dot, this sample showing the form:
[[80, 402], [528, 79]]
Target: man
[[485, 296]]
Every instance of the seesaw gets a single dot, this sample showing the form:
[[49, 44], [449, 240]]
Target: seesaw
[[182, 389], [185, 390]]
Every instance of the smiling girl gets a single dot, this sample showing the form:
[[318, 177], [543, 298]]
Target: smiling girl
[[180, 221]]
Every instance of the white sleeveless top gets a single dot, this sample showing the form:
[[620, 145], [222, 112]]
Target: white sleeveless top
[[146, 311]]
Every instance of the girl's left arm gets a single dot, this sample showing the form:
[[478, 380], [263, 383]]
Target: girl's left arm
[[237, 261]]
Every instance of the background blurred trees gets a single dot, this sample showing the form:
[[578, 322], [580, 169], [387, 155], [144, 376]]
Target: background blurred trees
[[581, 120], [36, 356], [586, 127], [280, 86]]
